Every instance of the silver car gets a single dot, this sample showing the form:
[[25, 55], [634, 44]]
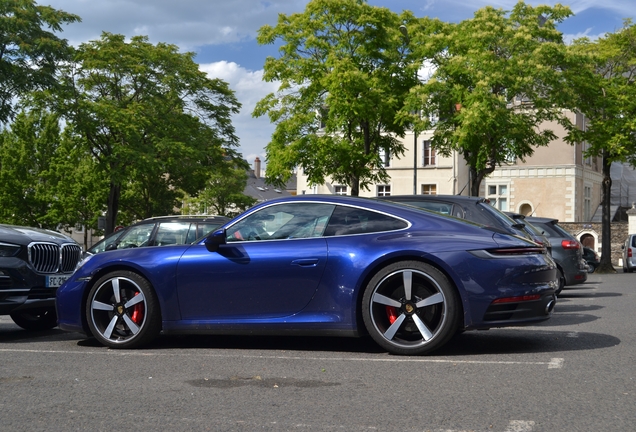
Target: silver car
[[629, 254]]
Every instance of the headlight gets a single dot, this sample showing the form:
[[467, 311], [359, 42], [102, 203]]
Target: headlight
[[84, 260], [8, 250]]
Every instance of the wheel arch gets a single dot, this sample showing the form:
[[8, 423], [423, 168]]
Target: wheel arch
[[373, 269], [104, 271]]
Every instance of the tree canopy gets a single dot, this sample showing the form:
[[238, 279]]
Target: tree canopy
[[343, 73], [148, 116], [29, 49], [605, 87], [495, 79]]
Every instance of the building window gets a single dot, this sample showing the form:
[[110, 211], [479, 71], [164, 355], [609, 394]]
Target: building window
[[587, 203], [588, 159], [340, 190], [384, 190], [428, 156], [429, 189], [498, 196], [385, 158]]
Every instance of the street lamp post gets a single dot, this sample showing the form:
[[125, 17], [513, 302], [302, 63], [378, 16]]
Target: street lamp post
[[405, 32]]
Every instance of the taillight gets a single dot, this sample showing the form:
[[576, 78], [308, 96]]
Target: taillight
[[517, 251], [517, 299], [570, 244], [629, 253]]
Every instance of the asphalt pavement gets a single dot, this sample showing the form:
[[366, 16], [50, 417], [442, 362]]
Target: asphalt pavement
[[574, 372]]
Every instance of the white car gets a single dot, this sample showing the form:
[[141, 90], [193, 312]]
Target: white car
[[629, 254]]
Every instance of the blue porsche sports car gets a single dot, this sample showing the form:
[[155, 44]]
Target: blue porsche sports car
[[317, 265]]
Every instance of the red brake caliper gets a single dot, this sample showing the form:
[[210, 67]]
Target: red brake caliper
[[391, 312], [138, 312]]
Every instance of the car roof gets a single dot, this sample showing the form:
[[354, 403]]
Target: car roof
[[454, 198], [541, 219], [185, 218]]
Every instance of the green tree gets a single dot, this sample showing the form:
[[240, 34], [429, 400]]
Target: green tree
[[496, 79], [29, 53], [342, 80], [148, 116], [27, 151], [80, 189], [223, 194], [606, 93]]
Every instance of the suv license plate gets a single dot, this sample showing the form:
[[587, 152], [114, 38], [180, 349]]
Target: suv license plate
[[55, 281]]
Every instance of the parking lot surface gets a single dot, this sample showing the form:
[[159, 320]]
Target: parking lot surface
[[574, 372]]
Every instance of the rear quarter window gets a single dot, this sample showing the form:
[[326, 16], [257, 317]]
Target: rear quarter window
[[351, 220]]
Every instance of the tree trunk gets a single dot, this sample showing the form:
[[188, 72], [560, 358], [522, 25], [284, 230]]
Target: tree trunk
[[355, 186], [475, 181], [605, 265], [113, 208]]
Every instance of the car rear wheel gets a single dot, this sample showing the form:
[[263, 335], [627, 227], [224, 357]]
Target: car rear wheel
[[561, 282], [410, 308], [122, 310], [35, 319]]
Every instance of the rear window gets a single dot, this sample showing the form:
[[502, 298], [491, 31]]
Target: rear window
[[554, 230], [484, 214]]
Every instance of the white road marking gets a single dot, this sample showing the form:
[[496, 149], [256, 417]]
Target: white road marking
[[520, 426], [554, 363]]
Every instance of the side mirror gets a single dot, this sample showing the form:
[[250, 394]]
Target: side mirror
[[111, 247], [214, 240]]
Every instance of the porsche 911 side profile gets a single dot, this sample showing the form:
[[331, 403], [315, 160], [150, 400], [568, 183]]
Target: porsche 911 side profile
[[317, 265]]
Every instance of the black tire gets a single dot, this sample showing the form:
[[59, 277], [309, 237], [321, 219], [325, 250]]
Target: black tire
[[35, 319], [410, 308], [592, 268], [122, 310], [561, 282]]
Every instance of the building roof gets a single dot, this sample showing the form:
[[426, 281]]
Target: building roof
[[257, 188]]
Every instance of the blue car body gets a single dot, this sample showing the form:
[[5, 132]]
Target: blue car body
[[315, 285]]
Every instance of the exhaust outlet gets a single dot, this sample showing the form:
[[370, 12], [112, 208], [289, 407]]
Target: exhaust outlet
[[549, 307]]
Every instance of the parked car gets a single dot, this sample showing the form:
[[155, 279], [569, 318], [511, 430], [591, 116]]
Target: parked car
[[567, 251], [474, 209], [317, 265], [534, 232], [629, 254], [591, 259], [34, 262], [160, 231]]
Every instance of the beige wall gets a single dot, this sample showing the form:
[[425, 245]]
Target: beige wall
[[551, 182]]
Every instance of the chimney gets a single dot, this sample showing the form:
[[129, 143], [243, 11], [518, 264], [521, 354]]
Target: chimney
[[257, 167]]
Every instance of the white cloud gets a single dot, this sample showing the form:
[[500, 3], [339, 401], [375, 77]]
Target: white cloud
[[249, 88]]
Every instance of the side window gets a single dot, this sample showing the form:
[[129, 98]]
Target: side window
[[634, 241], [170, 233], [282, 221], [351, 220], [137, 236]]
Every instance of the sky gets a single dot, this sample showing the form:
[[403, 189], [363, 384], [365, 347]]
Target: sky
[[222, 33]]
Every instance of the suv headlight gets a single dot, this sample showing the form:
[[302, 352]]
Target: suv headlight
[[8, 250]]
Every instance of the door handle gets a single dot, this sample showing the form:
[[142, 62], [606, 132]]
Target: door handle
[[305, 262]]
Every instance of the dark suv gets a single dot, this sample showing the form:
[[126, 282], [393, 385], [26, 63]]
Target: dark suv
[[566, 251], [33, 264], [160, 231], [474, 209]]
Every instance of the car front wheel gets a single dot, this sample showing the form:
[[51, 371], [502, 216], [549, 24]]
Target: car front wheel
[[35, 319], [410, 308], [122, 310]]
